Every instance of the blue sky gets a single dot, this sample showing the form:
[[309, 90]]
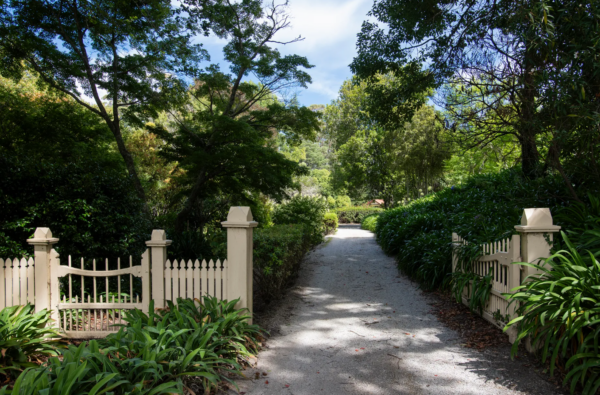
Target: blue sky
[[329, 28]]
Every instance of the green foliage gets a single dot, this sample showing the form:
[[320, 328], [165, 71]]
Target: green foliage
[[331, 222], [560, 311], [478, 288], [91, 207], [370, 222], [343, 201], [375, 159], [355, 215], [223, 136], [305, 211], [155, 353], [582, 223], [133, 53], [486, 208], [23, 335], [59, 171], [278, 253]]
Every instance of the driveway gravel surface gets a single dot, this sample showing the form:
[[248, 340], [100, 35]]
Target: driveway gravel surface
[[354, 325]]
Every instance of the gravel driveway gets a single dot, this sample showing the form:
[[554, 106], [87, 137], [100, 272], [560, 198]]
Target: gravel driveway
[[353, 325]]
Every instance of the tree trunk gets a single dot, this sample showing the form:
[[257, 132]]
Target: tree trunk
[[129, 163], [527, 127], [183, 215]]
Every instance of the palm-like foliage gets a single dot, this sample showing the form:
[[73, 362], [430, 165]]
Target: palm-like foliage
[[560, 312]]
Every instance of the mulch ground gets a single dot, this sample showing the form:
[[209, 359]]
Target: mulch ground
[[476, 332]]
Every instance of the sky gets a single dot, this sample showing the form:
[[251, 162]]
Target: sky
[[329, 28]]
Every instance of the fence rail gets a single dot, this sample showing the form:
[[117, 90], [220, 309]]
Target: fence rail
[[498, 260], [82, 310]]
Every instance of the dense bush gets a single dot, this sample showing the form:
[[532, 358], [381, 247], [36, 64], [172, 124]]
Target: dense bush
[[370, 222], [330, 220], [91, 207], [560, 312], [484, 209], [153, 354], [278, 252], [355, 215], [305, 211], [24, 335]]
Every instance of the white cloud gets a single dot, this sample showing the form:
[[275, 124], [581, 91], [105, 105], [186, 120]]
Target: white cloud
[[329, 29]]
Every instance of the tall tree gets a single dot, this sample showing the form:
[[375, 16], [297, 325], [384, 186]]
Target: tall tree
[[489, 45], [224, 137], [131, 51]]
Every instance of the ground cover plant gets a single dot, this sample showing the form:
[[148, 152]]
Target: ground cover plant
[[355, 215], [185, 348], [560, 312], [24, 338], [486, 208]]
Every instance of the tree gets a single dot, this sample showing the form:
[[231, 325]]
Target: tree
[[491, 46], [224, 137], [132, 51], [393, 164], [60, 170]]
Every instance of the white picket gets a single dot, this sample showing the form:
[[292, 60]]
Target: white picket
[[23, 278], [204, 279]]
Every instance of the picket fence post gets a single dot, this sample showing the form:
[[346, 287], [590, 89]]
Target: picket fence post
[[158, 253], [42, 243], [240, 225], [536, 229]]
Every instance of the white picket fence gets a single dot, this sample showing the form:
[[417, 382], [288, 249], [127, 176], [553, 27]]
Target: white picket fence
[[498, 258], [93, 300], [18, 279]]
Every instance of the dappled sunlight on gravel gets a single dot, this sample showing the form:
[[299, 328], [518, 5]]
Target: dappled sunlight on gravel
[[353, 325]]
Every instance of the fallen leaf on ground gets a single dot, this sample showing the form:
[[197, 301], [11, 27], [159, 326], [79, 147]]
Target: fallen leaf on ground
[[267, 382]]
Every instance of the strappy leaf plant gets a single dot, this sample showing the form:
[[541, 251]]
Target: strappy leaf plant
[[559, 311], [25, 335]]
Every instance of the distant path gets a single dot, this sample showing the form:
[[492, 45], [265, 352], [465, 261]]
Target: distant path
[[353, 325]]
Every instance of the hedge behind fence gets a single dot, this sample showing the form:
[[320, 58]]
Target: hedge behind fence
[[278, 252], [355, 215]]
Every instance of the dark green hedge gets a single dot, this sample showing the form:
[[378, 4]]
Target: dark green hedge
[[355, 215], [278, 252], [485, 209]]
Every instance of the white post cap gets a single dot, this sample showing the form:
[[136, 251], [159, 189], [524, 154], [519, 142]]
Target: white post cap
[[158, 239], [240, 217], [537, 220], [42, 236]]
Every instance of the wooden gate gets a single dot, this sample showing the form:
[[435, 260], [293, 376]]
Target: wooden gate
[[84, 314]]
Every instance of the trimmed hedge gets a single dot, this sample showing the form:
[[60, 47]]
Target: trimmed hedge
[[370, 222], [278, 252], [355, 215], [485, 209], [331, 222]]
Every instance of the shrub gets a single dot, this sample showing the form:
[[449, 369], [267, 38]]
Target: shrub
[[560, 311], [278, 252], [370, 222], [305, 211], [24, 334], [330, 220], [155, 353], [485, 209], [355, 215], [343, 201], [90, 206]]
